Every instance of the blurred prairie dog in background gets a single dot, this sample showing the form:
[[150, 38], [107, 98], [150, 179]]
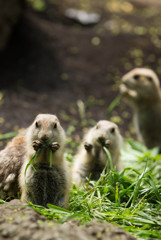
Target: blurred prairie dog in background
[[91, 157], [11, 160], [141, 90], [49, 184]]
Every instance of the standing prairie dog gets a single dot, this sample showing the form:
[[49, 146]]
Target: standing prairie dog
[[91, 158], [48, 184], [141, 89]]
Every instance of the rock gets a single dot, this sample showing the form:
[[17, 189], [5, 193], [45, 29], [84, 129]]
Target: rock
[[82, 17]]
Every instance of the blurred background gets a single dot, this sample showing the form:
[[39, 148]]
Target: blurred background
[[66, 57]]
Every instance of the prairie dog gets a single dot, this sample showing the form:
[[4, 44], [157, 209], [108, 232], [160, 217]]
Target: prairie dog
[[47, 184], [91, 157], [141, 89], [11, 159]]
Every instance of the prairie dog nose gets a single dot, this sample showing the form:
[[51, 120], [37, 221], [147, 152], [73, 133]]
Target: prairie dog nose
[[104, 142], [44, 138], [101, 140]]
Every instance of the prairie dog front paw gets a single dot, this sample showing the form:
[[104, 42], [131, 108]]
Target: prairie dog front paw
[[55, 146], [36, 145], [88, 146]]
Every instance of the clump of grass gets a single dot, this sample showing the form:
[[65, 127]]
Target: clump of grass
[[2, 201], [130, 199]]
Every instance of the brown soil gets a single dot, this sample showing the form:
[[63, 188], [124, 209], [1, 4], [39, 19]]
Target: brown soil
[[19, 222], [52, 62]]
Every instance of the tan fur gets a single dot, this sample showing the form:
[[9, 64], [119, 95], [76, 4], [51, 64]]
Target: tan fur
[[91, 157], [11, 159], [141, 90], [39, 187]]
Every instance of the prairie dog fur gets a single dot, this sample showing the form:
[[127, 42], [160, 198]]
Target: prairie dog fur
[[141, 89], [11, 160], [47, 184], [91, 157]]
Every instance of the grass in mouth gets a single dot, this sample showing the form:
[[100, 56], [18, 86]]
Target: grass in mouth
[[130, 199], [33, 158]]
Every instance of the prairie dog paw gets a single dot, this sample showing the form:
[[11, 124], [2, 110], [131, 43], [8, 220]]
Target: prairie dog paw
[[107, 143], [36, 145], [123, 89], [88, 146], [55, 146]]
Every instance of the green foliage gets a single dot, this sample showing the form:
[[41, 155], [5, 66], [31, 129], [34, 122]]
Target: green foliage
[[2, 201], [113, 104], [31, 160], [38, 5], [130, 199], [7, 135]]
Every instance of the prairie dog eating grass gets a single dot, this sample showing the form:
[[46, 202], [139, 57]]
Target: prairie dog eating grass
[[91, 157], [141, 89], [48, 180]]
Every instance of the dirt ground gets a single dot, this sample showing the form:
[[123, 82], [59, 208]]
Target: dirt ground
[[51, 62], [19, 222]]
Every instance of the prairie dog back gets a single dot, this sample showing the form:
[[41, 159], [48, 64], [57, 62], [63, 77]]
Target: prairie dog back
[[91, 157]]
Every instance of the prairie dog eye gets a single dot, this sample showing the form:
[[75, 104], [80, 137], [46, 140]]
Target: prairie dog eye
[[55, 125], [112, 130], [37, 125], [150, 79], [136, 77]]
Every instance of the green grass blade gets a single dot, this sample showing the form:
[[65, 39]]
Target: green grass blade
[[8, 135], [31, 160], [109, 157], [155, 188], [58, 209], [113, 104]]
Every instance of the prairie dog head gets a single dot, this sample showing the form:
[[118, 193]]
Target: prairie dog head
[[140, 83], [105, 133], [46, 127]]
